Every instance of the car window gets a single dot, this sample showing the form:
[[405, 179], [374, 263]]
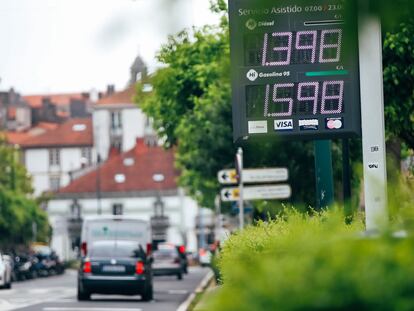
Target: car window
[[117, 249], [165, 253]]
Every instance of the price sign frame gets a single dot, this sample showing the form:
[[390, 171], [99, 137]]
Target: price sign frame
[[295, 70]]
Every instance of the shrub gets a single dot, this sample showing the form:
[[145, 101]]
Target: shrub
[[316, 262]]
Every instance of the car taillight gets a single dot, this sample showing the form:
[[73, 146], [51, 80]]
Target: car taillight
[[139, 267], [87, 268], [181, 249], [84, 249], [149, 249]]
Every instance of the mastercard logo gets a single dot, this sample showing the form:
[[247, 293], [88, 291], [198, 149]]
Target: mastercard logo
[[334, 124]]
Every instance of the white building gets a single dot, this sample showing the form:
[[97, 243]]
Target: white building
[[51, 157], [131, 183], [118, 122]]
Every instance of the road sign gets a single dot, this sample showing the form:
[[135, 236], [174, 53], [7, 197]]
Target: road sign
[[265, 175], [295, 69], [227, 177], [257, 193], [254, 175]]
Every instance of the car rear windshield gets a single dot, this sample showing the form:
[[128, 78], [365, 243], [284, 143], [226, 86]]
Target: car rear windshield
[[117, 249], [165, 253]]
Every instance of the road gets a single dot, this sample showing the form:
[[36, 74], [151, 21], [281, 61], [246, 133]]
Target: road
[[58, 293]]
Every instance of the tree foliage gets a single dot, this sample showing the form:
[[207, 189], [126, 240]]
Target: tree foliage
[[399, 82], [19, 212]]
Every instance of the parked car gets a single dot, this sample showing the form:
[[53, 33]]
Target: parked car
[[5, 272], [167, 261], [25, 266], [48, 262], [116, 258], [204, 257]]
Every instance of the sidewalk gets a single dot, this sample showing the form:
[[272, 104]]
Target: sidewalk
[[203, 297]]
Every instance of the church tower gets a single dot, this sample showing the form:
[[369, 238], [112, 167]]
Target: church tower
[[138, 70]]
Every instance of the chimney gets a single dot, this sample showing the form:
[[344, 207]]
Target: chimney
[[140, 146], [113, 152], [110, 89]]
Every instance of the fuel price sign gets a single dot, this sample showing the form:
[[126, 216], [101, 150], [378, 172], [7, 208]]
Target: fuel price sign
[[294, 69]]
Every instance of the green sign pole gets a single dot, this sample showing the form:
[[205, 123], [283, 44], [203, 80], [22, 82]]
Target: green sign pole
[[323, 173]]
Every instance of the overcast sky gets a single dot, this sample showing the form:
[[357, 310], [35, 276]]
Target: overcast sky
[[54, 46]]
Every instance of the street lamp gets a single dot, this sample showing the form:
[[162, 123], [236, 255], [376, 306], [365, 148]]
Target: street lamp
[[158, 205], [98, 184]]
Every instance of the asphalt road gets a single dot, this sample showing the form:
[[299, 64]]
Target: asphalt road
[[58, 293]]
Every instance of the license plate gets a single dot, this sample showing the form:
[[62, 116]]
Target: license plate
[[113, 269]]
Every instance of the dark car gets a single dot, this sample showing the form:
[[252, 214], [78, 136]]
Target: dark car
[[25, 267], [167, 261], [115, 267]]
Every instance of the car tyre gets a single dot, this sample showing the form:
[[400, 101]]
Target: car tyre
[[148, 294], [8, 285], [83, 295]]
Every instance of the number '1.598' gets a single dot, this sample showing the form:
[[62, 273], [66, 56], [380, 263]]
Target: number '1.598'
[[328, 96]]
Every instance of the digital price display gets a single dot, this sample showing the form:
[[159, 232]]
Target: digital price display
[[294, 69]]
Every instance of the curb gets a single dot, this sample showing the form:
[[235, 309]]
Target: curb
[[200, 288]]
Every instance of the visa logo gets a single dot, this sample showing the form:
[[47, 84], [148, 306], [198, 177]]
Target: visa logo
[[284, 125]]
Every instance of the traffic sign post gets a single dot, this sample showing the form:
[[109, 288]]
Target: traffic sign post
[[266, 192], [373, 134], [254, 175], [239, 166]]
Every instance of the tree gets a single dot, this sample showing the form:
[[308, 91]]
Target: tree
[[398, 87], [19, 212]]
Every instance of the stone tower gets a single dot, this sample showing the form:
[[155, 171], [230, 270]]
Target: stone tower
[[138, 70]]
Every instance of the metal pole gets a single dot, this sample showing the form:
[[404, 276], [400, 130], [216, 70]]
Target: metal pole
[[239, 157], [202, 238], [346, 177], [324, 174], [372, 116], [217, 203], [98, 184]]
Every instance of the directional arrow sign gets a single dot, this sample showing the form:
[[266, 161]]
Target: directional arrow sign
[[227, 177], [256, 175], [257, 193], [265, 175]]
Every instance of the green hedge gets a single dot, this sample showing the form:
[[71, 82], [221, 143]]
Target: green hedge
[[301, 262]]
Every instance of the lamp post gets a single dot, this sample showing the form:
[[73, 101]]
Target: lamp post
[[98, 184]]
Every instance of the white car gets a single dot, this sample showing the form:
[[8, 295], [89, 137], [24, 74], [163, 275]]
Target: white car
[[5, 272]]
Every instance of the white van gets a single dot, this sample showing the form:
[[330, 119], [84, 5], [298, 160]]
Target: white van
[[119, 228]]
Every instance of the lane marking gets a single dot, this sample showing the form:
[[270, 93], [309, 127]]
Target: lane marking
[[177, 291], [88, 309]]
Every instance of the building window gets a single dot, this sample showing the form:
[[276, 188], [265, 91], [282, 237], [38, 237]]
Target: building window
[[54, 157], [117, 209], [116, 119], [116, 142], [54, 183], [86, 154]]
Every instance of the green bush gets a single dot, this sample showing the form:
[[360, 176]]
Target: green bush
[[317, 262]]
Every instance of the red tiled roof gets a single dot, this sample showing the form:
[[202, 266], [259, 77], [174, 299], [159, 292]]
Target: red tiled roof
[[122, 97], [47, 125], [16, 138], [75, 132], [35, 101], [147, 161]]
